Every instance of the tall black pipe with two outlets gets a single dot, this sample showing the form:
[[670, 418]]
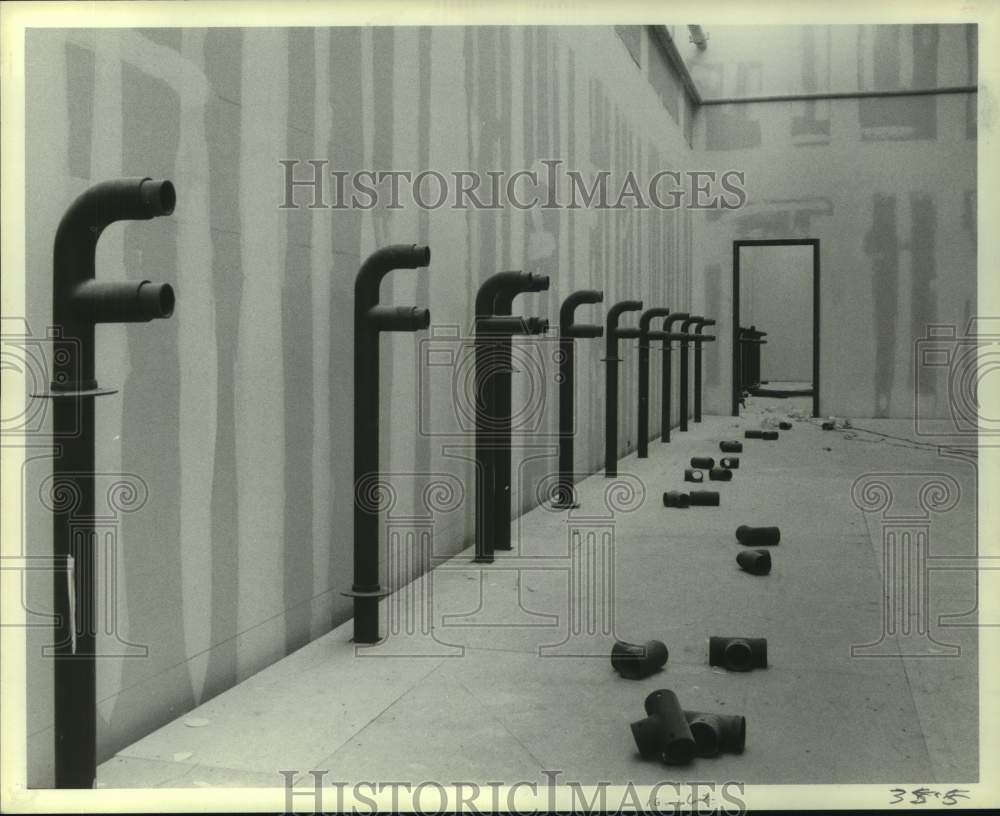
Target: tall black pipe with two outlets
[[370, 320], [612, 334], [699, 339], [645, 319], [667, 362], [683, 395], [569, 331], [79, 302], [492, 361], [511, 286]]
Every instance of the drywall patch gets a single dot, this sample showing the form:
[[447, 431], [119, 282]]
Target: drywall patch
[[79, 96]]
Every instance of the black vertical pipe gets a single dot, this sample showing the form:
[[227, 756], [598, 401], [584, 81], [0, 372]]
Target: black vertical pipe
[[565, 497], [667, 372], [79, 302], [644, 338], [75, 561], [697, 365], [740, 357], [501, 407], [490, 361], [370, 320], [683, 401], [612, 334]]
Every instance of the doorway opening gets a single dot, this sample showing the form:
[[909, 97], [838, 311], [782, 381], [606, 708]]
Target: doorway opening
[[776, 320]]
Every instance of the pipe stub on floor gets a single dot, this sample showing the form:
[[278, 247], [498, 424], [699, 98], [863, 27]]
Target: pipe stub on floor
[[758, 536], [704, 498], [731, 446]]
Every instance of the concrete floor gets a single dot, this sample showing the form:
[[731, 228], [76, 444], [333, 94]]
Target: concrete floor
[[478, 702]]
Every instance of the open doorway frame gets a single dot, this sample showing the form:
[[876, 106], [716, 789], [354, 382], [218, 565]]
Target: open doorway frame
[[776, 242]]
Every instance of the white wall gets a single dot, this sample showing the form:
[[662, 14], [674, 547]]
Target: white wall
[[888, 186], [776, 296], [236, 413]]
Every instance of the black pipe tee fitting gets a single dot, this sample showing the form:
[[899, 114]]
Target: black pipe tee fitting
[[731, 446], [717, 733], [737, 654], [704, 462], [665, 732]]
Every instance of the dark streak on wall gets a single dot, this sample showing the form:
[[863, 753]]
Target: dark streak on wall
[[923, 296], [881, 244], [297, 344]]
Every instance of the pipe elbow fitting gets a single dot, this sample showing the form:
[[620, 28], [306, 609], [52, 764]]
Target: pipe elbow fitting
[[647, 317], [730, 462], [635, 661], [567, 314], [737, 653], [383, 261], [673, 318], [688, 322], [756, 562], [693, 475]]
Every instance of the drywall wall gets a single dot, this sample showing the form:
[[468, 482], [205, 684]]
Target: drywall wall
[[888, 186], [233, 423], [776, 296], [742, 61]]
